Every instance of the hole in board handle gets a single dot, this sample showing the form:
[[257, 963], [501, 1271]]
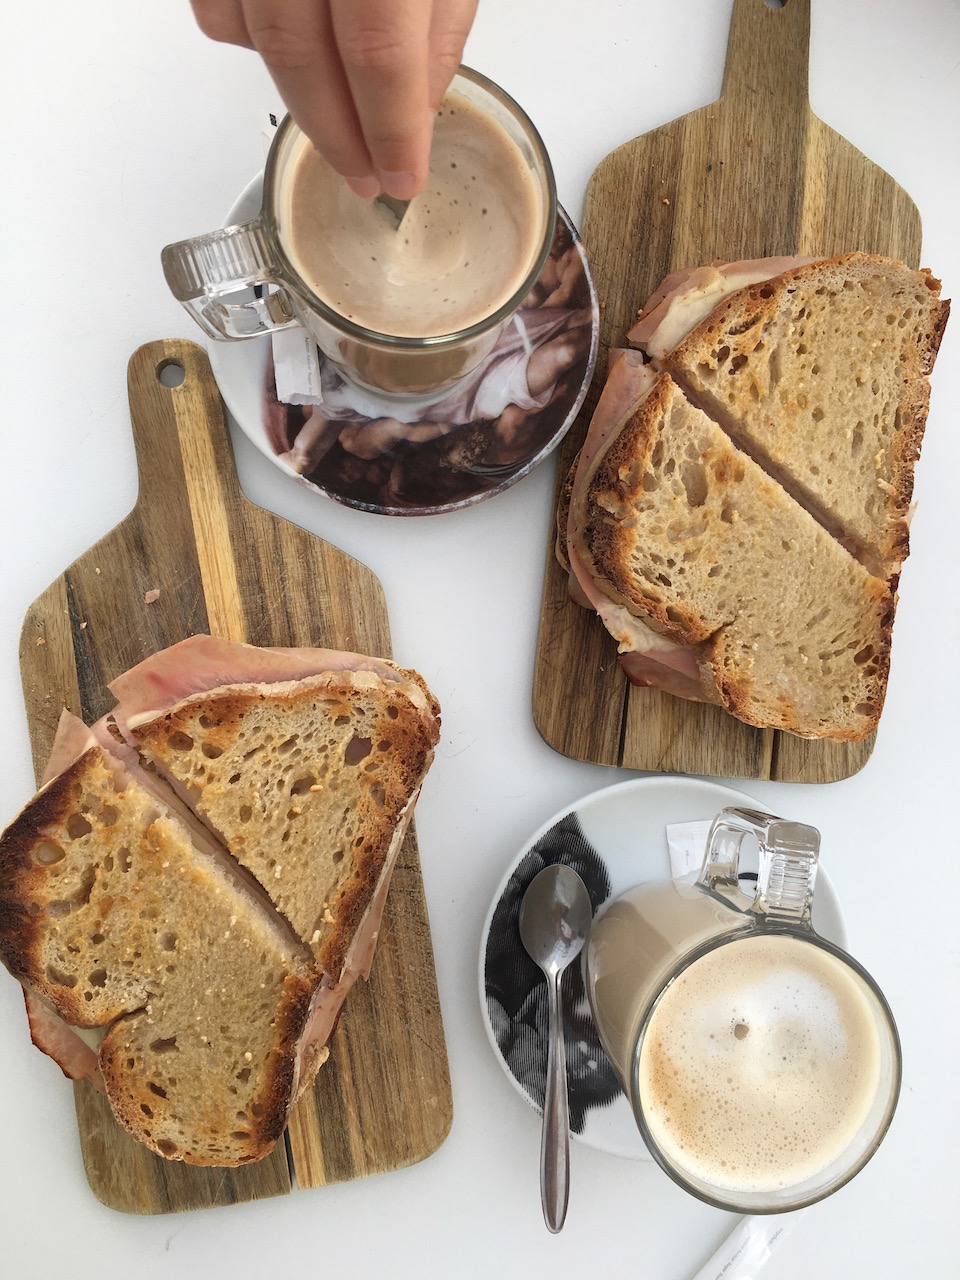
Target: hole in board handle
[[170, 373]]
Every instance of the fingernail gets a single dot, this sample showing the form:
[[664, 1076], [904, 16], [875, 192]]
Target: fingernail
[[366, 188], [402, 186]]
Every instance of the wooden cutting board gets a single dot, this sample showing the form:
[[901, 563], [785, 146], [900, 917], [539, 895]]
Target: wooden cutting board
[[754, 174], [221, 564]]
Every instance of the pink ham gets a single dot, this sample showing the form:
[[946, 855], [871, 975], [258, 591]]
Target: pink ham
[[647, 658], [48, 1031], [687, 297], [205, 662]]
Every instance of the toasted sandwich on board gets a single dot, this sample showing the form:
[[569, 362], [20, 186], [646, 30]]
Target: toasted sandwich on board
[[200, 880], [738, 514]]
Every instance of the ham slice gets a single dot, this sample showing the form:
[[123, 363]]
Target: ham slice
[[204, 662], [687, 297], [647, 658], [71, 1049]]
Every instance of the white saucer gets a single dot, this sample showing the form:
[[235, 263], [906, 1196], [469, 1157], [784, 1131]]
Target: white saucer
[[615, 838], [439, 465]]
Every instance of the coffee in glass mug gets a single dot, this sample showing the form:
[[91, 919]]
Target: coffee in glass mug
[[762, 1062], [403, 310]]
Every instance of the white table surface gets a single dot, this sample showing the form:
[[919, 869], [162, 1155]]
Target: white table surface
[[124, 129]]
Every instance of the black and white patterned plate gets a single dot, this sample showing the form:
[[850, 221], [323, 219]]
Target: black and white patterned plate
[[615, 838]]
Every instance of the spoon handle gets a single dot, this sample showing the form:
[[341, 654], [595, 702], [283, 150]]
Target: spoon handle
[[555, 1140]]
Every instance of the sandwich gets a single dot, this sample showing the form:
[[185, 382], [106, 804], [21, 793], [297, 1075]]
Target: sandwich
[[738, 514], [192, 893]]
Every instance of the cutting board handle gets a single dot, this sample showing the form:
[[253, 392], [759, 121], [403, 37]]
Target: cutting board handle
[[178, 422], [768, 53]]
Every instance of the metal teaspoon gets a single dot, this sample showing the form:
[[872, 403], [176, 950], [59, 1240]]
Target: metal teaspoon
[[555, 915]]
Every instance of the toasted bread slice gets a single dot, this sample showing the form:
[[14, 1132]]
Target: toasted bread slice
[[675, 523], [820, 374], [111, 913], [310, 784]]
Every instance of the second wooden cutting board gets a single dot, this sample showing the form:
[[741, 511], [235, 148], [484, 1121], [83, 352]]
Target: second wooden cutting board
[[754, 174], [195, 555]]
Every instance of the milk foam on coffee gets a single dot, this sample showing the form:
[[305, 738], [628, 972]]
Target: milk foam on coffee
[[760, 1063], [465, 245]]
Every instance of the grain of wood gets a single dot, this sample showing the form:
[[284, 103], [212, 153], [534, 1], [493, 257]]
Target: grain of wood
[[752, 175], [219, 563]]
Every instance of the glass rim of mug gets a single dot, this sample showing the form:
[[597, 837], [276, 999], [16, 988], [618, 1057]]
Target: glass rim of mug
[[406, 342], [742, 1202]]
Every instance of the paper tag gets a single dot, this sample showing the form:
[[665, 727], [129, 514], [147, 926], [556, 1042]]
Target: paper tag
[[296, 363], [686, 842], [748, 1246]]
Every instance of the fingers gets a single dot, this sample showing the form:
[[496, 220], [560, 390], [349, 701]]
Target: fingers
[[296, 41], [450, 25], [362, 78], [222, 20], [383, 47]]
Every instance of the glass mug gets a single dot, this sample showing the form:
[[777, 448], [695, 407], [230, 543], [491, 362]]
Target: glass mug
[[240, 281], [761, 1062]]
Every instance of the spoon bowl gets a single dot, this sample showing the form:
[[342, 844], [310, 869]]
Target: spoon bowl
[[555, 917]]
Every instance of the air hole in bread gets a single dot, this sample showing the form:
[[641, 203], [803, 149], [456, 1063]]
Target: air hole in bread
[[723, 354], [241, 1135], [147, 1111], [166, 1147], [864, 655], [47, 852], [243, 1075], [155, 1088], [248, 755], [337, 855], [210, 751], [737, 363], [60, 979], [234, 778], [168, 1045], [98, 978], [302, 785], [817, 415], [168, 942], [283, 748], [77, 826], [694, 481], [246, 813], [728, 514], [357, 749], [392, 712], [714, 571], [180, 741]]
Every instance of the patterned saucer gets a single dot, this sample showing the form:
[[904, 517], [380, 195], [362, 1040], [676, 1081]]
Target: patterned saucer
[[487, 433]]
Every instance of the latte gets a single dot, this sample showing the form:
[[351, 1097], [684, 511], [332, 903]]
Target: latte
[[760, 1065], [465, 246]]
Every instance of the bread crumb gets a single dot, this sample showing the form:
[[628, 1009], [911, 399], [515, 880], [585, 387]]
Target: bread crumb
[[664, 200], [315, 936], [248, 1056], [41, 640], [150, 596]]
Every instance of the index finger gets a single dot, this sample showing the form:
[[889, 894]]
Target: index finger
[[384, 50]]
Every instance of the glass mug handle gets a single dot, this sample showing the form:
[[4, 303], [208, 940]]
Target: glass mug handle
[[215, 277], [787, 866]]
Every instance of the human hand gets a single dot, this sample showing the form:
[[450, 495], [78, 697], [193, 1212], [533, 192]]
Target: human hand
[[362, 78]]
